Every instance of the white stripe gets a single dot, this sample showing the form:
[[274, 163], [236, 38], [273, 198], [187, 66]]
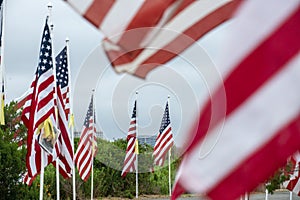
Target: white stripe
[[163, 138], [247, 129], [173, 29], [112, 25], [84, 175], [44, 93], [130, 152], [41, 113], [32, 158], [81, 6], [85, 161], [296, 188], [66, 152], [265, 20], [129, 163], [166, 16], [46, 75], [164, 149], [46, 160], [85, 149]]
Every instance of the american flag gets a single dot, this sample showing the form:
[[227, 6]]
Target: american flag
[[39, 105], [87, 146], [293, 184], [164, 140], [149, 33], [130, 157], [64, 144], [239, 141], [62, 78]]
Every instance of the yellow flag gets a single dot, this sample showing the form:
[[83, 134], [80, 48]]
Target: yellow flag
[[136, 148], [71, 121], [2, 118], [47, 127]]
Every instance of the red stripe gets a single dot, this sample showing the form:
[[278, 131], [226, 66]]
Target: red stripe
[[162, 156], [163, 136], [292, 184], [83, 158], [157, 141], [84, 132], [263, 63], [21, 103], [250, 171], [187, 38], [129, 155], [45, 100], [82, 150], [66, 146], [42, 86], [184, 4], [148, 15], [175, 47], [177, 191], [130, 168], [87, 167], [97, 11], [41, 119]]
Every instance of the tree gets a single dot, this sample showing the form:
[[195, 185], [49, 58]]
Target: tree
[[12, 154], [280, 176]]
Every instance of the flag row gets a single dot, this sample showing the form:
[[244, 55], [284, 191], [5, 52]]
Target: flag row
[[163, 143]]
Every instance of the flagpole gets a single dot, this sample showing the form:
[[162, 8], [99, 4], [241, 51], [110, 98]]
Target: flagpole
[[71, 118], [291, 195], [55, 96], [169, 157], [2, 63], [42, 175], [92, 180], [137, 162], [92, 172]]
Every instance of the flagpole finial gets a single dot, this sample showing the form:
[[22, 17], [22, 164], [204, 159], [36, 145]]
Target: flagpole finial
[[136, 92], [168, 96], [67, 39], [49, 5]]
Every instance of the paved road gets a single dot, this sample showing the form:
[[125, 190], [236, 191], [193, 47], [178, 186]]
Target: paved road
[[279, 195]]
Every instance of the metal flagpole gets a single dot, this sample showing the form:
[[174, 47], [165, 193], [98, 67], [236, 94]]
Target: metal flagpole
[[267, 193], [55, 96], [170, 187], [42, 175], [137, 162], [246, 196], [92, 173], [2, 63], [169, 157], [71, 117], [291, 195]]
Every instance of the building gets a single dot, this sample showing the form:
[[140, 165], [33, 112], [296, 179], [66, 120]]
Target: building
[[144, 139], [99, 134]]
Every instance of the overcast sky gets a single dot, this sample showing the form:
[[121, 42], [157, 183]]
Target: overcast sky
[[181, 79]]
